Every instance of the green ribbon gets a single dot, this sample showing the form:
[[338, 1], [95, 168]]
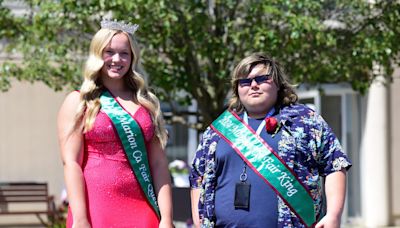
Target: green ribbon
[[257, 154], [130, 134]]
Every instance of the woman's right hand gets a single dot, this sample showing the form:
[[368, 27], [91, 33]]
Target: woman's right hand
[[81, 223]]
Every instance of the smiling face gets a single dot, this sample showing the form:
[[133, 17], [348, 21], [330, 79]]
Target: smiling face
[[258, 99], [117, 57]]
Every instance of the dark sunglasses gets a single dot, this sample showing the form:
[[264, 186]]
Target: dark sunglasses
[[259, 79]]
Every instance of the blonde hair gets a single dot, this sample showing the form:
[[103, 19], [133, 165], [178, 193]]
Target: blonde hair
[[286, 93], [92, 86]]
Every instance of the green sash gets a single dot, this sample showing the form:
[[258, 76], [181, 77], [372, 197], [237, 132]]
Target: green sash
[[264, 161], [132, 140]]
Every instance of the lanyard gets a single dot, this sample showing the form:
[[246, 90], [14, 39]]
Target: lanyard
[[243, 175], [262, 124]]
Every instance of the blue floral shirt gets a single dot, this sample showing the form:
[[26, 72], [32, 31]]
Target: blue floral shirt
[[308, 146]]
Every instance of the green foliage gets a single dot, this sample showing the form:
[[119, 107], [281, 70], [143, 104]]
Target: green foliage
[[189, 48]]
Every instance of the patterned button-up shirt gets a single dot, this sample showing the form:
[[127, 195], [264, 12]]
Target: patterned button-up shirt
[[308, 146]]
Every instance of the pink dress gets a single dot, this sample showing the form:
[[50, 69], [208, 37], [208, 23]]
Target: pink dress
[[114, 197]]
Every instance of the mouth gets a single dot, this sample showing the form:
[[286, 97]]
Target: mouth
[[115, 67], [254, 94]]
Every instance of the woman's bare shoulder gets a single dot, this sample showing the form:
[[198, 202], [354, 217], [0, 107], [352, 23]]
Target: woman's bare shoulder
[[71, 103], [72, 98]]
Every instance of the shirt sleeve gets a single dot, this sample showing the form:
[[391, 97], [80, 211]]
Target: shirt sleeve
[[198, 163], [332, 158]]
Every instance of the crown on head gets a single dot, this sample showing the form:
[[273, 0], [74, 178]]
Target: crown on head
[[119, 25]]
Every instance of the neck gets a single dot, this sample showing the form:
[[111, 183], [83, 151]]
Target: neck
[[114, 87], [119, 90], [113, 84], [258, 115]]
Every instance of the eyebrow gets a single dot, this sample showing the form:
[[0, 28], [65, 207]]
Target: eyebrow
[[110, 48]]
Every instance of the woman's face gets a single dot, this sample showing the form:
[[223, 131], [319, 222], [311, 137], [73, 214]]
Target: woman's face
[[117, 57], [258, 97]]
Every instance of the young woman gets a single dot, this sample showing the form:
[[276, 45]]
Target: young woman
[[112, 140]]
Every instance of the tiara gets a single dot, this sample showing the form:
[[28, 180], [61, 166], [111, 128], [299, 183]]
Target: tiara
[[121, 25]]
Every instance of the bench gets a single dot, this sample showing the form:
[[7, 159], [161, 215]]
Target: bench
[[25, 195]]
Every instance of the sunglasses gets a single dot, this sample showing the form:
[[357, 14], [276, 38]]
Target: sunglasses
[[259, 79]]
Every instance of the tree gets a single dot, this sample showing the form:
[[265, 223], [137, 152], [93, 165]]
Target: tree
[[189, 48]]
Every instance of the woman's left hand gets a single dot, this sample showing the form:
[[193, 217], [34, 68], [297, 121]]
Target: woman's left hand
[[164, 223]]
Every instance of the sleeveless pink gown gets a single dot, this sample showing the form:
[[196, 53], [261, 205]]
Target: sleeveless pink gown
[[114, 197]]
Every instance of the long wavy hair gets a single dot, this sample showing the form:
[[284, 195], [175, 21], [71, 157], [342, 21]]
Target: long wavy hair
[[92, 86], [286, 93]]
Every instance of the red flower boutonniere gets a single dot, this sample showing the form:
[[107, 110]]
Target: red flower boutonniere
[[272, 125]]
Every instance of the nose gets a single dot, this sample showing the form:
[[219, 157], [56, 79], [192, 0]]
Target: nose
[[116, 57], [253, 83]]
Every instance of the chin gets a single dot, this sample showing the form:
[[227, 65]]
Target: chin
[[115, 76], [259, 105]]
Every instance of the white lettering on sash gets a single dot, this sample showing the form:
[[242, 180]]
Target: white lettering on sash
[[286, 182], [129, 134], [272, 168], [137, 155], [270, 165], [235, 129], [150, 192], [143, 172]]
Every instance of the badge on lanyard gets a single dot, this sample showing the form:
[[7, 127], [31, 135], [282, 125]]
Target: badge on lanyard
[[242, 192]]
